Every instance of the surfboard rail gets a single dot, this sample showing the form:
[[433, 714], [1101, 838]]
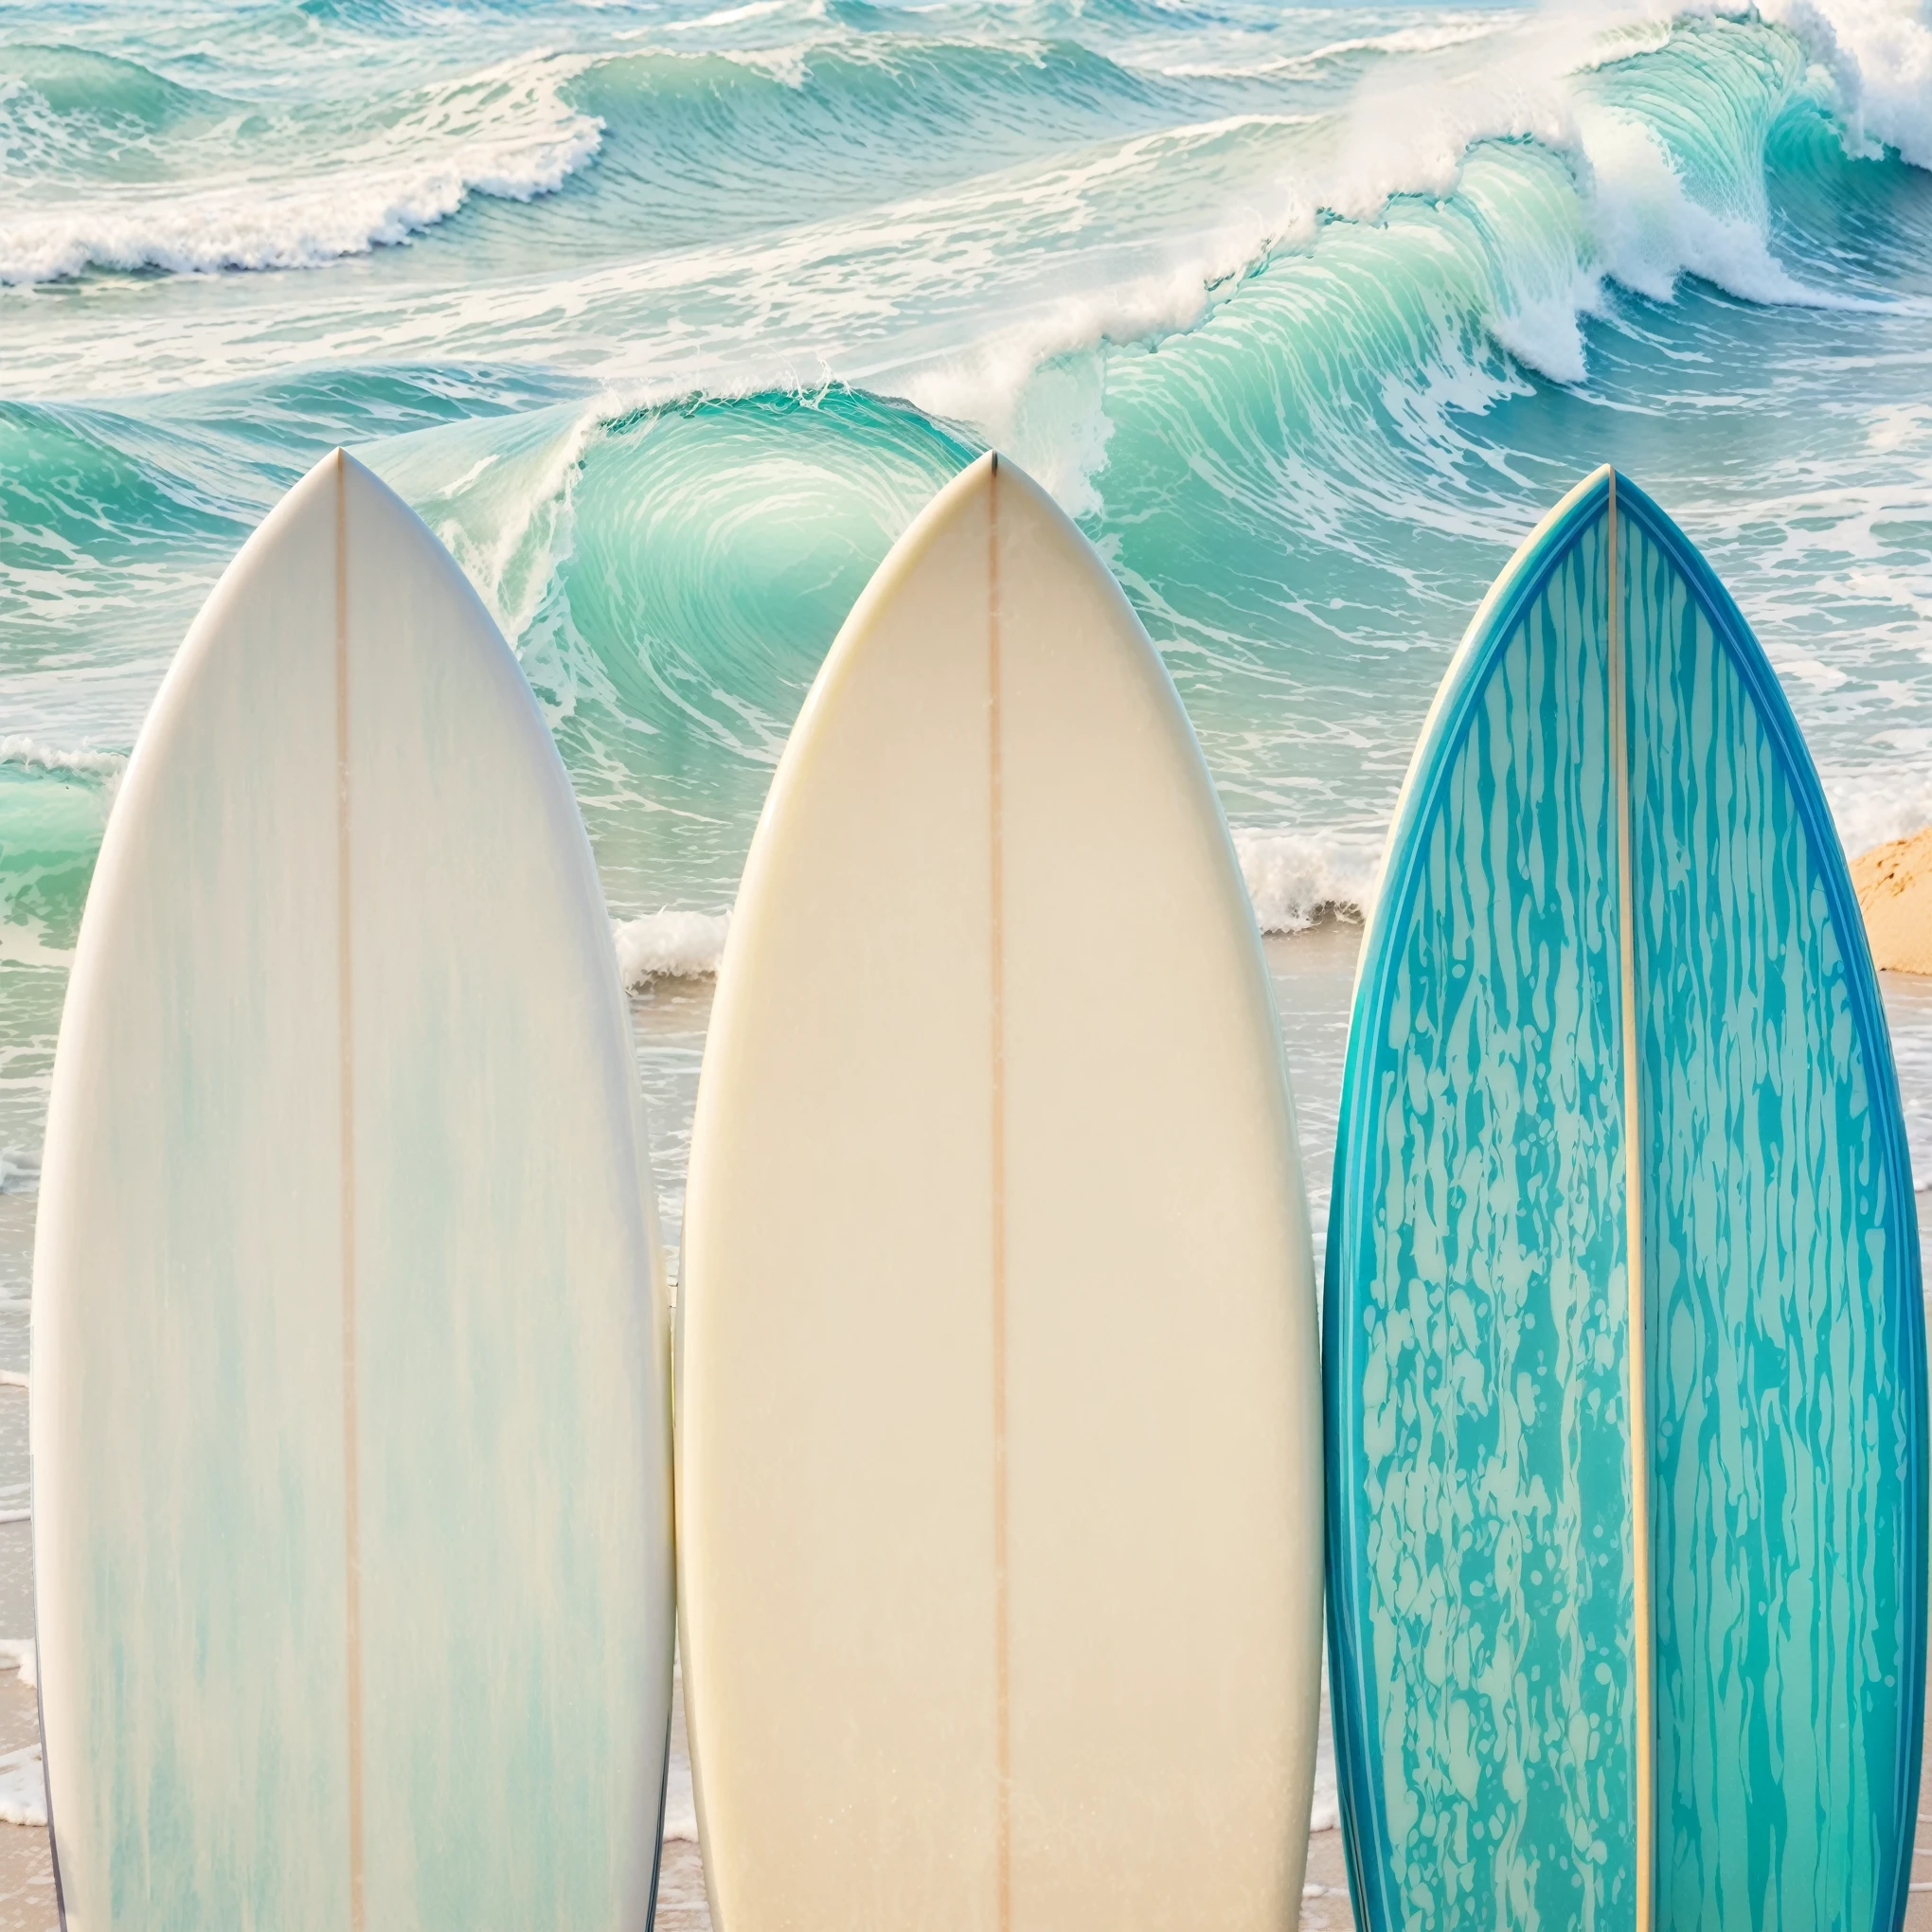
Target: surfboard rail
[[350, 1412], [1609, 501], [999, 1570]]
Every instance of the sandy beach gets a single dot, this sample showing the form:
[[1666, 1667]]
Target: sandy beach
[[1894, 886]]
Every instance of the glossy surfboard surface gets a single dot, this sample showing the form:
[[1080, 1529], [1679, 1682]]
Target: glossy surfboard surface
[[1623, 1329], [999, 1486], [351, 1420]]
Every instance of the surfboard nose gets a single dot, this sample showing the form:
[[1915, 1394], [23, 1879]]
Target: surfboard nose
[[946, 1193], [318, 1374]]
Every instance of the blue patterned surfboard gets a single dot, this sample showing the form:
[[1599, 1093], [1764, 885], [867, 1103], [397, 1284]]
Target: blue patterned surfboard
[[1624, 1343]]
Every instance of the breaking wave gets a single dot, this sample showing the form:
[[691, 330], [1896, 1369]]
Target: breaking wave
[[671, 324]]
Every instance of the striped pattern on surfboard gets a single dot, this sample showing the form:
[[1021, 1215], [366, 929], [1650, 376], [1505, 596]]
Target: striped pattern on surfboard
[[350, 1421], [1611, 736]]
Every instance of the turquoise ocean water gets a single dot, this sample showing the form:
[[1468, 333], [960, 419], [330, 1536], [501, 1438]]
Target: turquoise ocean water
[[669, 316]]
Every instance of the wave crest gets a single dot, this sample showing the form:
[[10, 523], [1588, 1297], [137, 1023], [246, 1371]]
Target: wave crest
[[247, 192], [30, 754], [671, 944], [1295, 879], [1879, 52]]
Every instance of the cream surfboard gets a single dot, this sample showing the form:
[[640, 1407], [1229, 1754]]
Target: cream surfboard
[[999, 1438], [350, 1422]]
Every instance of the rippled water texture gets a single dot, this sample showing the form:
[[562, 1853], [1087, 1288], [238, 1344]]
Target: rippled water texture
[[668, 319]]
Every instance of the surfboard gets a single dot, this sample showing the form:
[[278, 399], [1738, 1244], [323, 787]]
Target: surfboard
[[1624, 1339], [351, 1408], [999, 1438]]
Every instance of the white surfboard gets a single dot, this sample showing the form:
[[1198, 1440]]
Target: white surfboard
[[349, 1400], [1000, 1460]]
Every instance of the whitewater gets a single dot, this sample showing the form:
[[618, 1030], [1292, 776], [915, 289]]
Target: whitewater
[[669, 317]]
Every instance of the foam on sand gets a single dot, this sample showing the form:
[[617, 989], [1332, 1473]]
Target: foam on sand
[[23, 1787], [672, 944], [23, 1782]]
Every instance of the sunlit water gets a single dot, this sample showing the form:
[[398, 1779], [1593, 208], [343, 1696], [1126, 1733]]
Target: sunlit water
[[670, 317]]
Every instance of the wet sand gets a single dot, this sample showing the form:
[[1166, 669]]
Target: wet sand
[[26, 1868]]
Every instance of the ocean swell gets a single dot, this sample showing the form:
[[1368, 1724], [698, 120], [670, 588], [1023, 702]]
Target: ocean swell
[[1304, 323], [263, 187], [53, 811]]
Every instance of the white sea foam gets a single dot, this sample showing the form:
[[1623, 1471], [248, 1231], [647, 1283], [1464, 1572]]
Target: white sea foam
[[1022, 356], [1454, 30], [23, 1780], [505, 132], [1880, 54], [1649, 229], [1037, 385], [1296, 878], [23, 942], [23, 1787], [20, 1168], [786, 65], [1879, 803], [726, 16], [19, 749], [283, 226], [1036, 389], [1411, 132], [672, 944], [507, 517]]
